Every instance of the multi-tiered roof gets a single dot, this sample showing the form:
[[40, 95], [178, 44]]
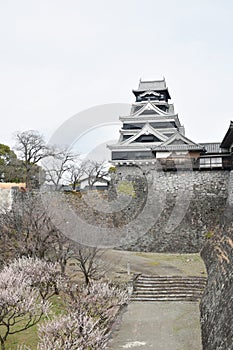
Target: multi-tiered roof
[[153, 131], [152, 127]]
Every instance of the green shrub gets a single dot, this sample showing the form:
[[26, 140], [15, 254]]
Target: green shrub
[[209, 234], [127, 188]]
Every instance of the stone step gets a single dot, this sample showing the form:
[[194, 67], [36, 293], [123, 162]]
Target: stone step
[[169, 284], [171, 276], [182, 290], [167, 292], [171, 281], [171, 291], [168, 288], [167, 298], [158, 280], [146, 277], [148, 281]]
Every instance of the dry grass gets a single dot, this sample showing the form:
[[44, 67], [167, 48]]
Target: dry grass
[[152, 263], [29, 337]]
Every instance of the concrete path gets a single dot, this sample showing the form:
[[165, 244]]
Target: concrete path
[[158, 326]]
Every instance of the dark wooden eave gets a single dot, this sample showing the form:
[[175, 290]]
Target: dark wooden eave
[[228, 138], [165, 92]]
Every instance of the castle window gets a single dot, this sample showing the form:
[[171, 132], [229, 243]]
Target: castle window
[[211, 162], [205, 162], [147, 138], [126, 137], [133, 126], [216, 162]]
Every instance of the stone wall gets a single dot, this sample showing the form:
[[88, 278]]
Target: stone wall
[[217, 302], [163, 211], [192, 204]]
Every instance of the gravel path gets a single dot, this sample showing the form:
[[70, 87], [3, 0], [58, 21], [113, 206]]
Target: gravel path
[[158, 326]]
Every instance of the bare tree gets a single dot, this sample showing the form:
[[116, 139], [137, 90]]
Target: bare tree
[[63, 250], [35, 234], [27, 230], [96, 172], [59, 166], [75, 174], [32, 149], [89, 262]]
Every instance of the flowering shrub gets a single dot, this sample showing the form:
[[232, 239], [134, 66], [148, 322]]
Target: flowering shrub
[[21, 303], [25, 286], [76, 331], [90, 314], [37, 273]]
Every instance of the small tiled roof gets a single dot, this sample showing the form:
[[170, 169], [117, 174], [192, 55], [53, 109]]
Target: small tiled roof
[[178, 148], [213, 147], [135, 108], [141, 118], [152, 85]]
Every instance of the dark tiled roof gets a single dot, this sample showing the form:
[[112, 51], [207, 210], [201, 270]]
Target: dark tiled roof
[[171, 108], [152, 85], [178, 148], [213, 147], [135, 108], [228, 138]]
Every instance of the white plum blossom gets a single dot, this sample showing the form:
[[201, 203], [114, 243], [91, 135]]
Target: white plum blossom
[[87, 324], [76, 331], [38, 273], [23, 299], [86, 321]]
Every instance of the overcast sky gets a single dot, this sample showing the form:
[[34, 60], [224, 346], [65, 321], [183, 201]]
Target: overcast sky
[[59, 57]]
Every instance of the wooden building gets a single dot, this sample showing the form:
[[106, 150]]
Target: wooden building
[[152, 132]]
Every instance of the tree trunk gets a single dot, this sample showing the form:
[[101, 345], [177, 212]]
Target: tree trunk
[[28, 182], [63, 266], [86, 279], [2, 343]]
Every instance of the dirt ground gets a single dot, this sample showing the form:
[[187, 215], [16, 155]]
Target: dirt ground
[[121, 265]]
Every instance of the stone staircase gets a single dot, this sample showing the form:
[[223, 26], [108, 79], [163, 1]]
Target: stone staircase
[[168, 288]]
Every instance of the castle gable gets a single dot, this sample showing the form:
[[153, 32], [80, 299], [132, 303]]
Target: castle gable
[[179, 139], [149, 109], [146, 134]]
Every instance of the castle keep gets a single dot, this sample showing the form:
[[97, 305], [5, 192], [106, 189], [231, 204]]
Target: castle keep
[[153, 145], [153, 132]]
